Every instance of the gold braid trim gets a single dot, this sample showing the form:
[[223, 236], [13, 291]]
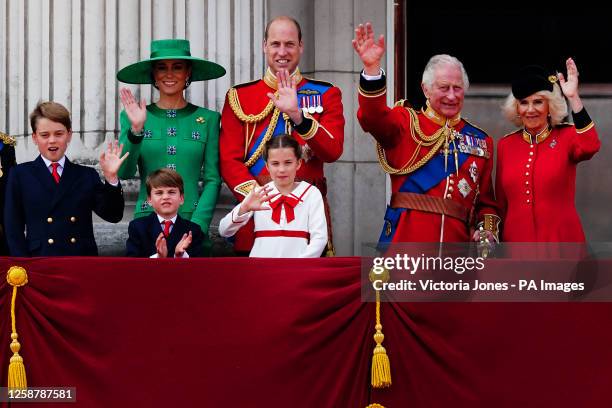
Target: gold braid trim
[[7, 140], [232, 96], [436, 140], [266, 137]]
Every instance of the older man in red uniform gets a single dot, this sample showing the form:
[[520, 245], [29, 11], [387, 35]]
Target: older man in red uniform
[[283, 101], [440, 165]]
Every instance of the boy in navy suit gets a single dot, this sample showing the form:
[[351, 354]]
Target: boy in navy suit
[[49, 201], [164, 233]]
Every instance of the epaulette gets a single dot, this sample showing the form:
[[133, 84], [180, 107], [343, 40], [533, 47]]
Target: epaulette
[[403, 103], [7, 140], [246, 84], [477, 127], [317, 81]]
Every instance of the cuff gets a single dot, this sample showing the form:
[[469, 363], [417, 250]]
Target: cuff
[[303, 127], [373, 77], [491, 223], [239, 219], [372, 88], [582, 121], [308, 128], [135, 138]]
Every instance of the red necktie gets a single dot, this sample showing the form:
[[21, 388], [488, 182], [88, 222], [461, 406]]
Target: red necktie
[[288, 202], [167, 225], [54, 172]]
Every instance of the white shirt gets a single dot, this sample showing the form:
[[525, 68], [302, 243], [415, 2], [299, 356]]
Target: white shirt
[[60, 168], [309, 217]]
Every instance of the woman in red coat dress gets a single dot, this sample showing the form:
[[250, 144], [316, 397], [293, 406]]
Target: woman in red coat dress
[[536, 165]]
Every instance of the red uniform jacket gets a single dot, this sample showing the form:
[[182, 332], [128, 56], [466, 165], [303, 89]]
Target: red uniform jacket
[[536, 183], [471, 185], [321, 133]]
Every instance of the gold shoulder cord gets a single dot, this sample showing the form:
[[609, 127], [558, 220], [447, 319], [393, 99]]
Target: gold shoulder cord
[[234, 102], [436, 140], [265, 139], [235, 105]]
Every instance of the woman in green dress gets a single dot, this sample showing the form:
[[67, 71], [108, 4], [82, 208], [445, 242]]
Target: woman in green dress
[[172, 133]]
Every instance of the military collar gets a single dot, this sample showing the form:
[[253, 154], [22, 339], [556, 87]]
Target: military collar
[[440, 119], [539, 138], [270, 79]]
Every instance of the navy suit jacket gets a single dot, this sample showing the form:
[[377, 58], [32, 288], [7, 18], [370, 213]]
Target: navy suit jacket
[[143, 233], [43, 218]]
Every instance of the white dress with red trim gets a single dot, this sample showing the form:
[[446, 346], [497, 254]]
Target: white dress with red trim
[[294, 227]]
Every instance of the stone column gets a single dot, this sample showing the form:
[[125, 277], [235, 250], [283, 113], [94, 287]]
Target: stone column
[[356, 184]]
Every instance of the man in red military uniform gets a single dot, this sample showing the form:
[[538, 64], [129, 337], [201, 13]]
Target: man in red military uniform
[[281, 102], [440, 165]]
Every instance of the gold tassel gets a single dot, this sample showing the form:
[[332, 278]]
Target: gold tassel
[[381, 367], [16, 277], [330, 251]]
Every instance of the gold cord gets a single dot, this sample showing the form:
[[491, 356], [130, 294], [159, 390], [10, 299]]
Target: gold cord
[[234, 102], [437, 139], [266, 137]]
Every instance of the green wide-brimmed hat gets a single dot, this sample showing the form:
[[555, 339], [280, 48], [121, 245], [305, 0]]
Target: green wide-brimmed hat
[[140, 72]]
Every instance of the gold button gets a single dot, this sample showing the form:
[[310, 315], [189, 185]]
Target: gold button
[[72, 219], [531, 153], [452, 181], [450, 189], [527, 192], [49, 220], [449, 196], [527, 183], [527, 165], [452, 175], [50, 241], [529, 160], [531, 146], [73, 240], [527, 173], [528, 201]]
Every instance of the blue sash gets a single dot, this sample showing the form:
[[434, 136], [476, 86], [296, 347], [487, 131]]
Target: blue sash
[[424, 179]]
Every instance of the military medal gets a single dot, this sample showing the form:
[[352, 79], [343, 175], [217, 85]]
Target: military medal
[[474, 171], [311, 108], [200, 119], [553, 143], [304, 107], [464, 187], [319, 108]]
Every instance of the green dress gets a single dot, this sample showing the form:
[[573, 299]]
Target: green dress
[[185, 140]]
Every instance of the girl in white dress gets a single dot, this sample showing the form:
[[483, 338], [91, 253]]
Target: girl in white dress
[[289, 215]]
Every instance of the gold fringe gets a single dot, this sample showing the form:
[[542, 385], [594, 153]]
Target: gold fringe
[[16, 277], [375, 405], [381, 367]]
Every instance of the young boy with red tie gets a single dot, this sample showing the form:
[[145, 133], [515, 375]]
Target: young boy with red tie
[[164, 233], [50, 200]]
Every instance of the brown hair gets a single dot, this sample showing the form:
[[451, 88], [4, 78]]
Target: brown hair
[[281, 141], [164, 178], [286, 18], [55, 112]]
